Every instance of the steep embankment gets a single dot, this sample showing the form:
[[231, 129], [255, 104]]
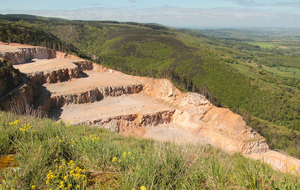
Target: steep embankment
[[142, 106]]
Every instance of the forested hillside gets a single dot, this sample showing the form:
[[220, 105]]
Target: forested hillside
[[261, 84], [23, 33]]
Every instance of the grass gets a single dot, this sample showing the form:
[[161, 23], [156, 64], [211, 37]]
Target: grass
[[263, 45], [50, 155], [284, 71]]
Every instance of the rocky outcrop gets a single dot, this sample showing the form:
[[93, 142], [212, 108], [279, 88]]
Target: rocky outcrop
[[133, 124], [19, 101], [10, 78], [55, 76], [84, 65], [28, 53], [93, 95]]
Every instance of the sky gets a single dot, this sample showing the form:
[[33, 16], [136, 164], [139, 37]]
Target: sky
[[175, 13]]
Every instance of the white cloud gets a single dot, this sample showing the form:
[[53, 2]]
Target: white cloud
[[132, 1]]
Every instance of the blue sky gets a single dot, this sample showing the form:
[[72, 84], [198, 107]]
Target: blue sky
[[176, 13]]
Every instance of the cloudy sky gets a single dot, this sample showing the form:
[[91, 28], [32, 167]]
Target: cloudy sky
[[176, 13]]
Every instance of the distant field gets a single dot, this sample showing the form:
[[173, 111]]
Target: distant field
[[283, 71], [262, 44]]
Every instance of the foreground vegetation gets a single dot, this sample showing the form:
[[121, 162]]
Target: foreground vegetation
[[255, 75], [42, 154]]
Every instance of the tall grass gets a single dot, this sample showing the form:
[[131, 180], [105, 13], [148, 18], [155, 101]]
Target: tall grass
[[52, 155]]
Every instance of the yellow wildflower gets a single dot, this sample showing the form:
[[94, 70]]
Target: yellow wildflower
[[143, 188], [120, 161], [33, 187], [114, 159], [133, 158], [292, 168], [129, 153], [124, 154]]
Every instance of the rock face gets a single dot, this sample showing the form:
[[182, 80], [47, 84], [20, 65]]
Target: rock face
[[24, 54], [140, 106], [55, 76], [217, 126], [93, 95], [9, 77], [135, 123], [19, 101]]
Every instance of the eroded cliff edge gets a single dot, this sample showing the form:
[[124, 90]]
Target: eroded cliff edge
[[137, 105]]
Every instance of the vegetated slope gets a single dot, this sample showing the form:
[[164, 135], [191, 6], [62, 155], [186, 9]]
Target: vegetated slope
[[52, 155], [214, 67], [22, 32]]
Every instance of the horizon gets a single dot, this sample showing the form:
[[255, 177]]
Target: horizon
[[217, 14]]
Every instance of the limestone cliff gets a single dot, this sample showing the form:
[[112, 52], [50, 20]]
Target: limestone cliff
[[18, 53]]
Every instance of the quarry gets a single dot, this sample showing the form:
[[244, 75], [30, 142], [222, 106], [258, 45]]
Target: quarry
[[73, 90]]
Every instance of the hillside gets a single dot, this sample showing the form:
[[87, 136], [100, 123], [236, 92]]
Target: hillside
[[40, 154], [221, 69]]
